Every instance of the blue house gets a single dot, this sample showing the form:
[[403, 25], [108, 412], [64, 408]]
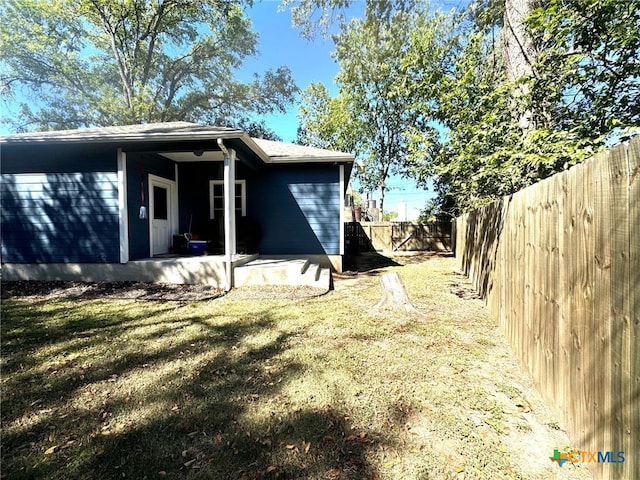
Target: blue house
[[126, 202]]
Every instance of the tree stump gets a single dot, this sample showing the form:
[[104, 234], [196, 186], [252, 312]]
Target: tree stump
[[394, 293]]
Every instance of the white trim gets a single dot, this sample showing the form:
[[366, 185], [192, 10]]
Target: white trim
[[229, 213], [342, 218], [123, 212], [243, 196], [170, 185], [292, 159], [177, 208]]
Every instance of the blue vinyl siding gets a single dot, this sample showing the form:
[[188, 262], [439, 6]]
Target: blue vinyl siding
[[60, 217], [298, 208], [59, 158]]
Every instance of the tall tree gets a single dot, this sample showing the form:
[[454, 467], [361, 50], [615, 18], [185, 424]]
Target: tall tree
[[370, 114], [104, 62], [512, 118], [458, 77]]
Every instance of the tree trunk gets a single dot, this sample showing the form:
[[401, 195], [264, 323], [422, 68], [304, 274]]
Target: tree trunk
[[381, 214], [394, 294], [519, 51]]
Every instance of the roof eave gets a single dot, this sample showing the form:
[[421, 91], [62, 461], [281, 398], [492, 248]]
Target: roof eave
[[331, 159], [162, 137], [188, 136], [253, 146]]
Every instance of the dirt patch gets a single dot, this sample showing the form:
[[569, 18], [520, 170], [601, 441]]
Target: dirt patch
[[274, 292], [463, 291], [149, 291], [108, 290]]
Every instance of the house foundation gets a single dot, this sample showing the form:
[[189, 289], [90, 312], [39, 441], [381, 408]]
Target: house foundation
[[248, 270]]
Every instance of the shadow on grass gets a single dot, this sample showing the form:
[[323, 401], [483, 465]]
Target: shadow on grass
[[372, 261], [126, 390], [367, 262]]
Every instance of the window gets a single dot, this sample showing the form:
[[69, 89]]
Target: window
[[160, 207], [216, 198]]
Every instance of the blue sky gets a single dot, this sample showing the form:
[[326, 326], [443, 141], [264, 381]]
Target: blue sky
[[281, 44]]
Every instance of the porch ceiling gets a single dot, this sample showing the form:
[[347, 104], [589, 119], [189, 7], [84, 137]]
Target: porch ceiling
[[196, 156]]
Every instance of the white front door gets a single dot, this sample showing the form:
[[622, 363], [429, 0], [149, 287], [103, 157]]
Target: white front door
[[162, 214]]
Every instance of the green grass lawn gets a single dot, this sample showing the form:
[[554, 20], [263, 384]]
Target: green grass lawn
[[319, 388]]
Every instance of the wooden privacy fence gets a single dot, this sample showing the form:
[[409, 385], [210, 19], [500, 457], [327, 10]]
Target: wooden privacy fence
[[397, 236], [559, 266]]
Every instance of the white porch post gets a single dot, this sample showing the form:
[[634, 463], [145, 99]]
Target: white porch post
[[342, 218], [229, 213], [122, 206]]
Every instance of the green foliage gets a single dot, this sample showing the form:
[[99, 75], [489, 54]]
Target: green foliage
[[326, 122], [104, 62], [579, 97], [442, 208], [456, 73], [258, 129], [429, 212], [588, 76], [389, 216], [315, 17]]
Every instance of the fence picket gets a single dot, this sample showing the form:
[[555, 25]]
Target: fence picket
[[631, 418], [620, 292]]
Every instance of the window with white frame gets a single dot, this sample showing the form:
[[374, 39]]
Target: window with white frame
[[216, 198]]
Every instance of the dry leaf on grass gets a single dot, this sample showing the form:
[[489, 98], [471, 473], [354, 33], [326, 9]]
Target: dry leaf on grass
[[51, 450]]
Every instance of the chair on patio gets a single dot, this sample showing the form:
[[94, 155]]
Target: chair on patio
[[248, 235]]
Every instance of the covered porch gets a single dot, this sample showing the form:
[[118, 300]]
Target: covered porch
[[235, 198], [174, 182]]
